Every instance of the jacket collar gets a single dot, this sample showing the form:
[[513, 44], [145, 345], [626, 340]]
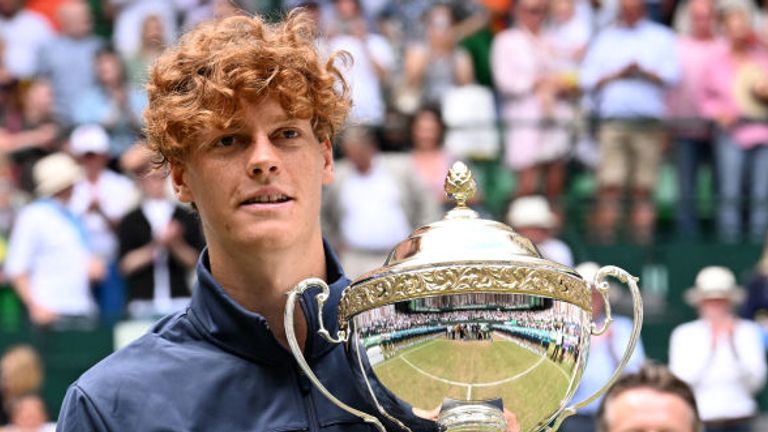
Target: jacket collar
[[247, 334]]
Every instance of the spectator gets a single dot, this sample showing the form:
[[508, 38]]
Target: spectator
[[112, 103], [719, 355], [649, 400], [152, 44], [33, 133], [536, 115], [605, 352], [690, 130], [736, 99], [24, 33], [373, 62], [431, 69], [375, 201], [21, 373], [130, 16], [159, 243], [49, 261], [100, 200], [28, 414], [429, 158], [68, 59], [532, 217], [628, 69]]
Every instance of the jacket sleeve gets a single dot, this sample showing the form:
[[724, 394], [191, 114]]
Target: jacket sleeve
[[79, 413]]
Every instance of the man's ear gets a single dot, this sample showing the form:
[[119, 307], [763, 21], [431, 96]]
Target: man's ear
[[327, 161], [179, 181]]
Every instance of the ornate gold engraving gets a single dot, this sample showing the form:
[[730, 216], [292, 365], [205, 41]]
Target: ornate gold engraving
[[462, 279]]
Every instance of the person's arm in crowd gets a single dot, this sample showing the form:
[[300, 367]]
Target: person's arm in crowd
[[39, 314], [750, 352], [40, 137], [173, 240], [373, 48], [414, 65], [78, 413], [137, 259]]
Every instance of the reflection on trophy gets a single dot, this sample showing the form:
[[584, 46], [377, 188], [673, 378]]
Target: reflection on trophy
[[467, 320]]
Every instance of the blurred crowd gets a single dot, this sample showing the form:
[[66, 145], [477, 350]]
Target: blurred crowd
[[544, 90]]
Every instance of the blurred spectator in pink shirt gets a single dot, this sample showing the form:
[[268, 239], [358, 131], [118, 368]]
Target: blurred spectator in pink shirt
[[690, 131], [736, 98], [536, 113]]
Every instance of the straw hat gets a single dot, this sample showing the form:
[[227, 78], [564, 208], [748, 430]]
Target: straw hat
[[747, 78], [714, 282], [54, 173], [531, 211]]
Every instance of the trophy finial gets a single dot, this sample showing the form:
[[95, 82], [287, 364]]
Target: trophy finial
[[460, 186]]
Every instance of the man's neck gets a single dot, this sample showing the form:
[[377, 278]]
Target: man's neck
[[259, 280]]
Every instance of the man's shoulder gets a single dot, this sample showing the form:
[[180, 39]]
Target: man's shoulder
[[168, 349]]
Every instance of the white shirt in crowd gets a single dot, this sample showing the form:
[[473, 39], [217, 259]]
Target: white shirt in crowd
[[368, 105], [24, 34], [556, 250], [724, 380], [381, 222], [653, 48], [116, 195], [47, 245]]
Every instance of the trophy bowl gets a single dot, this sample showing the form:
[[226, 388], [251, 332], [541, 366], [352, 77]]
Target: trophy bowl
[[469, 325]]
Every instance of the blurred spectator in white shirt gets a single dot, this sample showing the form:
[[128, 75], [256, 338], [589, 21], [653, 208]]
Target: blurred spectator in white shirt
[[24, 32], [49, 261], [101, 199], [628, 69], [373, 62], [719, 355], [67, 61]]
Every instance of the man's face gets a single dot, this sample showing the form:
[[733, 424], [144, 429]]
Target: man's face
[[257, 188], [648, 410]]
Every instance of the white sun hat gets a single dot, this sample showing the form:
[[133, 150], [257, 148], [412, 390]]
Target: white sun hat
[[531, 211], [714, 282]]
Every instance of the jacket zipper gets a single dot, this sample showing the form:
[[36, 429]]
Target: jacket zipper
[[314, 424]]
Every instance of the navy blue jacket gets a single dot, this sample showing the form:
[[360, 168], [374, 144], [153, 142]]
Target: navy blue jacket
[[217, 367]]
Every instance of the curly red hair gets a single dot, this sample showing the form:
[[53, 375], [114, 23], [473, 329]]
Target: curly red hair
[[203, 82]]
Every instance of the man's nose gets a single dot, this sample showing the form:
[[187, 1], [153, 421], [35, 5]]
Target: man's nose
[[263, 157]]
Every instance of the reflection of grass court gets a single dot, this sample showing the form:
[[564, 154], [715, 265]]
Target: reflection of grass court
[[528, 384]]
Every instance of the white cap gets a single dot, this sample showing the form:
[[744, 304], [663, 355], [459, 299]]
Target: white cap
[[588, 270], [714, 282], [89, 138], [531, 211], [55, 173]]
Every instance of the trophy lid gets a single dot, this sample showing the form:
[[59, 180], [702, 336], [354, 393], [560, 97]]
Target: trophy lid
[[463, 253]]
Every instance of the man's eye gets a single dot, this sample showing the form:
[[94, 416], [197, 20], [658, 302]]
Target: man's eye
[[227, 141], [289, 133]]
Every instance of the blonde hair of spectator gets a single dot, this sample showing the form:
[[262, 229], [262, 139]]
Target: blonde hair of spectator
[[21, 372], [204, 81], [653, 376]]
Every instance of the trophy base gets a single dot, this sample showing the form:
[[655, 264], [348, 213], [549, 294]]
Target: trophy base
[[471, 416]]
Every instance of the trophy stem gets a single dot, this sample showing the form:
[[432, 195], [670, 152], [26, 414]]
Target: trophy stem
[[471, 417]]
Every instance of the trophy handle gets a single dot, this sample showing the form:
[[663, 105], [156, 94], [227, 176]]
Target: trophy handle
[[601, 285], [341, 336]]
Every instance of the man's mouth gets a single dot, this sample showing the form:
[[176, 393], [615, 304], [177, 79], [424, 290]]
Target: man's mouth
[[267, 199]]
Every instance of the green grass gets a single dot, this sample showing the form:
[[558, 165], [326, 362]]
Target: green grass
[[472, 370]]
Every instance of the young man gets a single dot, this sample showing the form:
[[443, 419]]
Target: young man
[[243, 113], [650, 400]]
